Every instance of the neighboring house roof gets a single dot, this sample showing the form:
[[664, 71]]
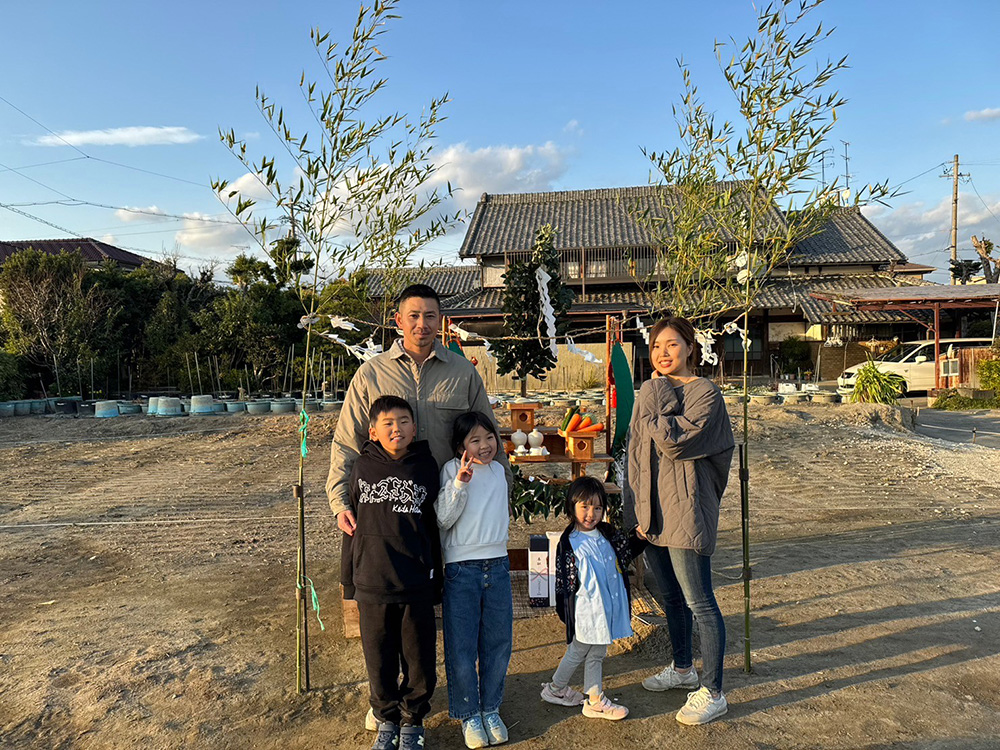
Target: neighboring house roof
[[449, 282], [93, 251], [602, 218], [848, 238], [783, 292], [959, 295], [606, 219], [796, 292]]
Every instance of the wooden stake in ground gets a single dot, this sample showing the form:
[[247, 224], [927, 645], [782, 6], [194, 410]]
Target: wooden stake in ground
[[197, 367], [187, 360]]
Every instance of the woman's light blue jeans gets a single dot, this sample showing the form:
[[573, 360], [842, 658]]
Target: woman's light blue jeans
[[685, 581], [478, 616]]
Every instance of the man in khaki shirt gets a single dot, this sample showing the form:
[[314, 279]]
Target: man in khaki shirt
[[436, 381]]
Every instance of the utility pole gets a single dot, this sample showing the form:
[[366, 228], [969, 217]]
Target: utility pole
[[954, 217]]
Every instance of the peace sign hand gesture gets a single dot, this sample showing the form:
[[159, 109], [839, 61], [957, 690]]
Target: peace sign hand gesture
[[465, 467]]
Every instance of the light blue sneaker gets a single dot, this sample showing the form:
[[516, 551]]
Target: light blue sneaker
[[495, 728], [474, 732]]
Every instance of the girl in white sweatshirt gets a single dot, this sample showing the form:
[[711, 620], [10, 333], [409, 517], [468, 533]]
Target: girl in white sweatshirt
[[478, 613]]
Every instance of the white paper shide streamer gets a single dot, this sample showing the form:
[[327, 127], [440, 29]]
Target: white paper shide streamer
[[643, 331], [733, 327], [588, 356], [707, 341], [363, 353], [548, 313], [473, 336]]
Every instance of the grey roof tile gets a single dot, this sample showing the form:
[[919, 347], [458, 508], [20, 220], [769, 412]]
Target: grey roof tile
[[448, 281], [847, 238], [585, 218], [605, 219]]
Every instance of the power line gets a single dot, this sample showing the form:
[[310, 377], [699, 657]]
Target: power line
[[44, 164], [32, 179], [43, 221], [85, 155], [973, 184], [940, 164]]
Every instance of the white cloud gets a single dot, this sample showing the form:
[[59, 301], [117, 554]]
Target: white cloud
[[109, 239], [247, 186], [923, 233], [982, 114], [498, 169], [573, 128], [135, 213], [132, 136], [198, 234]]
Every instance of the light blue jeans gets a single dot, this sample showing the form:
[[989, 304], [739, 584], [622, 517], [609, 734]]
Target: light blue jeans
[[685, 581], [478, 616]]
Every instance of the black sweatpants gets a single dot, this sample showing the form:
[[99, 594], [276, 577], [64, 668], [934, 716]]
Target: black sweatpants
[[400, 638]]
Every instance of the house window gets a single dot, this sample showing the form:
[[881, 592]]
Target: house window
[[597, 269], [572, 269]]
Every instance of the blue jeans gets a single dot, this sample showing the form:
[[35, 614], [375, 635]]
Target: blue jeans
[[478, 617], [685, 581]]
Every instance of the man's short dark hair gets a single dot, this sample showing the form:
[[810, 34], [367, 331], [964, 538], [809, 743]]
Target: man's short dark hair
[[418, 290], [384, 404]]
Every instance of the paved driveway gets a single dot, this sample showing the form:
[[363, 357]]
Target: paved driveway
[[958, 426]]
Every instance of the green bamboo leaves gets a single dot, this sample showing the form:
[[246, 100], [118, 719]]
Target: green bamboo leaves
[[748, 187], [351, 184]]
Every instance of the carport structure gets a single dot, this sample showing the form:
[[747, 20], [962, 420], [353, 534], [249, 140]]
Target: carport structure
[[911, 299]]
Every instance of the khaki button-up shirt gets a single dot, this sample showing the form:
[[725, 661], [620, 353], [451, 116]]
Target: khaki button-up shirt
[[442, 387]]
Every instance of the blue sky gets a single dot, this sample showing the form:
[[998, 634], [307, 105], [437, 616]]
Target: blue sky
[[545, 96]]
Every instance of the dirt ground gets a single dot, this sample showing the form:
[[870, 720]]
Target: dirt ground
[[147, 595]]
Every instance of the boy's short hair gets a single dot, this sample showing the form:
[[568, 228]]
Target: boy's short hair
[[384, 404], [418, 290]]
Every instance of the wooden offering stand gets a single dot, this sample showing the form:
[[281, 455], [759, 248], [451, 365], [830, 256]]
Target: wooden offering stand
[[522, 416], [580, 445]]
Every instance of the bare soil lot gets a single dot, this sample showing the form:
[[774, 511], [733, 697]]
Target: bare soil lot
[[147, 595]]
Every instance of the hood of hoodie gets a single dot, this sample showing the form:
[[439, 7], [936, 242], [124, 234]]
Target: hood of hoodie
[[419, 450]]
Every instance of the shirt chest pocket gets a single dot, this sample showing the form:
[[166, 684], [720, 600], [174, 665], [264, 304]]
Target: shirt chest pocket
[[448, 399]]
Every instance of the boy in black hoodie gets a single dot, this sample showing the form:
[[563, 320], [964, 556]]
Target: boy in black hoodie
[[391, 566]]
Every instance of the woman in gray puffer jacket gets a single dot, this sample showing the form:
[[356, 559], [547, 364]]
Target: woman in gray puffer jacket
[[680, 450]]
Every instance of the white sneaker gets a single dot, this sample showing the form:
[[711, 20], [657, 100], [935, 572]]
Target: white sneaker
[[669, 678], [702, 708], [604, 708], [474, 733], [371, 723], [495, 728], [567, 696]]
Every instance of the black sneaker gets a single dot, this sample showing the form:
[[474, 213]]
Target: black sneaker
[[387, 737], [411, 738]]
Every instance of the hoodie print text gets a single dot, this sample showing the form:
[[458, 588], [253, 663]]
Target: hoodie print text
[[405, 495]]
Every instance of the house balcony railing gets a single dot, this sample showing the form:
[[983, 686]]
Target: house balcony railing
[[580, 267]]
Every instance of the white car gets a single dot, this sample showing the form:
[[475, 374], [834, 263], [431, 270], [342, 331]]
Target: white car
[[913, 361]]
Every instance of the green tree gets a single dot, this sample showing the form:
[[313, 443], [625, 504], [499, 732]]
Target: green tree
[[49, 315], [527, 351]]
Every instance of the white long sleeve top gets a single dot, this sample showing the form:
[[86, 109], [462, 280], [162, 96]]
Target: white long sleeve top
[[473, 516]]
